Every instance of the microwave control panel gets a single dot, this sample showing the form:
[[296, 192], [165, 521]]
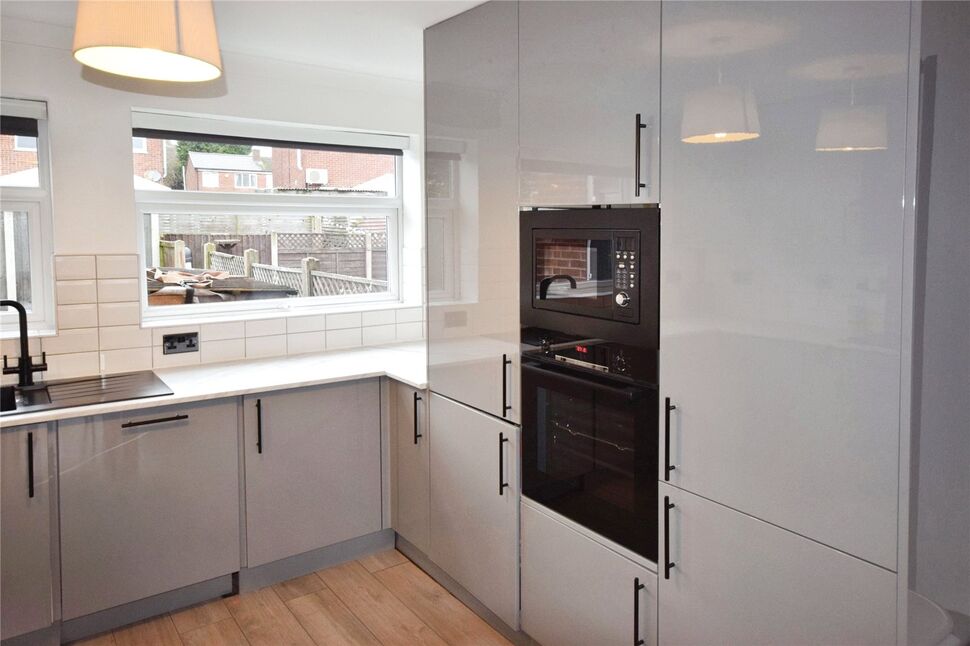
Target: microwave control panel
[[626, 276]]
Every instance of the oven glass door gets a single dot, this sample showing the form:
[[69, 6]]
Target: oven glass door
[[589, 452], [573, 271]]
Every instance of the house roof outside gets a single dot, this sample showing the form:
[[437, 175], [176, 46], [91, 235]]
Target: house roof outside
[[225, 161]]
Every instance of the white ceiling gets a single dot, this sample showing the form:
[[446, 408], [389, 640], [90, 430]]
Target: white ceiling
[[370, 36]]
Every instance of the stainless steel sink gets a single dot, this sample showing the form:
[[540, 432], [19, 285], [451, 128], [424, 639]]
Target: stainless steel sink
[[82, 392]]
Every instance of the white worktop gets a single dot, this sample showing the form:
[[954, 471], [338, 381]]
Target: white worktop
[[404, 362]]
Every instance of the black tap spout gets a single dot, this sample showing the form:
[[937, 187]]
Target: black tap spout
[[23, 366], [545, 282]]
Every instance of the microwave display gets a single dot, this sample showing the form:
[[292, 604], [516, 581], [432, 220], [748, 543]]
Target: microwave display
[[587, 272]]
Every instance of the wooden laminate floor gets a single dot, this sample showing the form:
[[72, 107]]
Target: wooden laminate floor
[[379, 599]]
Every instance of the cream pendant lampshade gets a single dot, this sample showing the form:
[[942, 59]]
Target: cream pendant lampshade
[[162, 40], [851, 129], [719, 114]]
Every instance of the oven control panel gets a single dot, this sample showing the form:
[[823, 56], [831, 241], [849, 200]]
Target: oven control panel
[[626, 276]]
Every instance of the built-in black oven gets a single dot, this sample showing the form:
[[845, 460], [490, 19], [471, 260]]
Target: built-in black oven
[[589, 438], [592, 272]]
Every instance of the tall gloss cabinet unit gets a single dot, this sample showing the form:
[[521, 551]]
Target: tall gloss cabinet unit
[[473, 247], [589, 103], [784, 147]]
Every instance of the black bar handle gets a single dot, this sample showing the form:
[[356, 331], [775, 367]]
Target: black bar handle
[[637, 586], [502, 484], [636, 163], [668, 564], [506, 406], [668, 467], [160, 420], [30, 464], [259, 425], [417, 398]]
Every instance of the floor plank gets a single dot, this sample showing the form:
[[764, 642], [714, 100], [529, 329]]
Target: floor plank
[[104, 639], [200, 615], [298, 587], [436, 607], [265, 620], [159, 631], [220, 633], [329, 621], [383, 613], [382, 560]]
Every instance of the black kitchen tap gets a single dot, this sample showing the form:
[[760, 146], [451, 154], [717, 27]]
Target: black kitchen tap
[[25, 367]]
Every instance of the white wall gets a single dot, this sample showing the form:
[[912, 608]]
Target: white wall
[[943, 513], [90, 120]]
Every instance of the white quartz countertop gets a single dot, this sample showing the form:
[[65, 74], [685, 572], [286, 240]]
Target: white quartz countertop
[[404, 362]]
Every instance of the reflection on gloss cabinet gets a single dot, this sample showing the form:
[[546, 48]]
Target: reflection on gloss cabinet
[[471, 65], [411, 453], [25, 523], [782, 279], [589, 103]]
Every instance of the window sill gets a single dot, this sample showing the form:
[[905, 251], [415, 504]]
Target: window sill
[[13, 332], [154, 320]]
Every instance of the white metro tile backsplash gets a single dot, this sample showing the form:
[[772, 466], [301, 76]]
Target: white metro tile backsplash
[[116, 290], [75, 316], [118, 267], [74, 267], [99, 323], [260, 347]]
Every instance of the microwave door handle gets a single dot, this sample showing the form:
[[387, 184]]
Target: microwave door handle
[[545, 282], [630, 393]]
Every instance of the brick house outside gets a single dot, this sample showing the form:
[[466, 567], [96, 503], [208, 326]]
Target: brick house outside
[[221, 172], [297, 168], [15, 158], [150, 157]]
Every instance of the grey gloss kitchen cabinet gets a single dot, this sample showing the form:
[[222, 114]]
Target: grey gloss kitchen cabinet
[[783, 282], [411, 442], [25, 531], [738, 580], [586, 71], [149, 503], [576, 591], [475, 504], [471, 127], [313, 468]]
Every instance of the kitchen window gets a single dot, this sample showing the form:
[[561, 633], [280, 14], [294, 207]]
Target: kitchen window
[[272, 237], [25, 214]]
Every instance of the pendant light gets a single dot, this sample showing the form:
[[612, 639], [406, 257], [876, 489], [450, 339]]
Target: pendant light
[[719, 114], [852, 129], [162, 40]]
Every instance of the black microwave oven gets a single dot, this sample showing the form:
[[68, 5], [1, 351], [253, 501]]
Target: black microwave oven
[[592, 272]]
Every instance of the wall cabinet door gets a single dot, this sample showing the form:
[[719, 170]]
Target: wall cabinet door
[[577, 592], [474, 518], [149, 503], [586, 70], [739, 580], [412, 478], [313, 468], [782, 277], [25, 531], [473, 249]]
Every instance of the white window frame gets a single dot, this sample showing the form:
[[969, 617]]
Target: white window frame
[[143, 148], [212, 175], [36, 201], [200, 202], [252, 178], [19, 147]]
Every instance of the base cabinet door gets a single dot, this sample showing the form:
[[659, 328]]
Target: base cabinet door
[[313, 468], [475, 504], [25, 534], [577, 592], [739, 580], [149, 503], [412, 455]]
